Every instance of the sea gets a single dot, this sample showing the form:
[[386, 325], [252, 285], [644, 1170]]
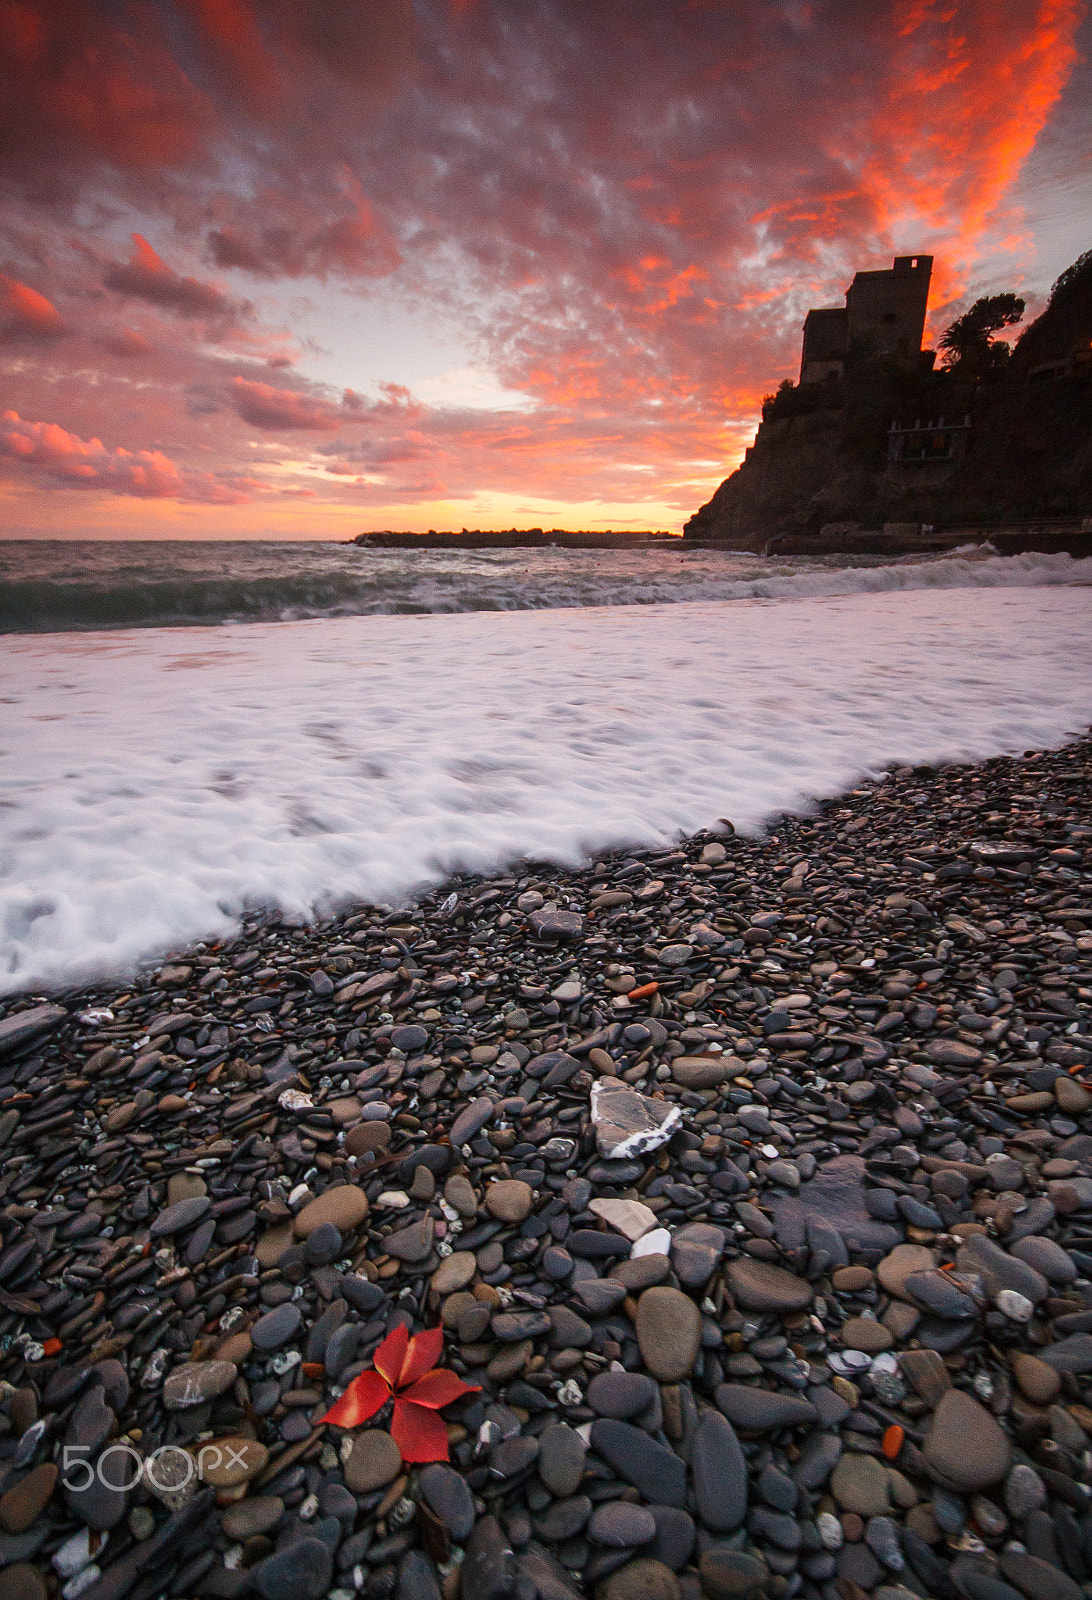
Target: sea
[[194, 731]]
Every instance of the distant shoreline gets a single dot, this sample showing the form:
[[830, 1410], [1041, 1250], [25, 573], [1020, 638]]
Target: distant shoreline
[[513, 539], [1069, 536]]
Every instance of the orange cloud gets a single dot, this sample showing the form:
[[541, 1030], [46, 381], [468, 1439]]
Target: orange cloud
[[279, 236], [25, 311], [148, 277], [266, 407], [127, 344], [87, 464], [958, 122]]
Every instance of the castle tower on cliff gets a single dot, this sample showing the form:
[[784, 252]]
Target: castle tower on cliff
[[884, 315]]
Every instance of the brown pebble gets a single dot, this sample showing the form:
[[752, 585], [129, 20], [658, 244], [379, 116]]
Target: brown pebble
[[423, 1186], [864, 1333], [510, 1360], [852, 1280], [919, 1519], [1071, 1097], [965, 1448], [642, 1579], [367, 1136], [668, 1332], [273, 1243], [454, 1272], [454, 1306], [372, 1461], [1038, 1381], [24, 1503], [345, 1206], [900, 1319], [21, 1581], [509, 1200], [459, 1193], [641, 1272], [236, 1347]]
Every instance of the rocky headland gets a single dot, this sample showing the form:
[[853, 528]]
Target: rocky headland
[[1016, 457], [749, 1182]]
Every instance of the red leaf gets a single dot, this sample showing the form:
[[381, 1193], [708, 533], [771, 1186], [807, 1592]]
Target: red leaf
[[437, 1388], [361, 1400], [391, 1355], [425, 1349], [420, 1434]]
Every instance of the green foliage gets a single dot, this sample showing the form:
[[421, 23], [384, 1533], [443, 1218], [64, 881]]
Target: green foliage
[[967, 344], [770, 402]]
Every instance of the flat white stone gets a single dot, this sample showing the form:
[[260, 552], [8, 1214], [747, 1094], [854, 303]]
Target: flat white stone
[[631, 1218], [1017, 1307], [656, 1243]]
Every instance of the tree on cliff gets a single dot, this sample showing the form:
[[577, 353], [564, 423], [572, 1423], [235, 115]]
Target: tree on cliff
[[1077, 276], [1065, 327], [968, 345], [770, 402]]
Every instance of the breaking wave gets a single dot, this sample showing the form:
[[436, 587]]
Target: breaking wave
[[73, 588]]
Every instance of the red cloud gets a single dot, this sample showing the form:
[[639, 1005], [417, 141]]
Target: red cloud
[[26, 312], [127, 344], [299, 244], [266, 407], [149, 278], [87, 464], [143, 90], [82, 84]]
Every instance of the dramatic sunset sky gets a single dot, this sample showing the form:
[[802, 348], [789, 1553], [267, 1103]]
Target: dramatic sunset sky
[[298, 268]]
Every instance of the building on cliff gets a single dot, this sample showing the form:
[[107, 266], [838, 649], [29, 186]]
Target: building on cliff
[[884, 315], [872, 438]]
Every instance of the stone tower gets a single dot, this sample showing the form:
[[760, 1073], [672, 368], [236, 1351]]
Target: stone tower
[[884, 315]]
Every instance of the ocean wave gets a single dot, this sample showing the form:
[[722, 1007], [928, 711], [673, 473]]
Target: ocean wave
[[158, 783], [332, 582]]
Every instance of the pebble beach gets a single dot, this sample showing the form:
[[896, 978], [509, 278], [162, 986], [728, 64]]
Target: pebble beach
[[748, 1179]]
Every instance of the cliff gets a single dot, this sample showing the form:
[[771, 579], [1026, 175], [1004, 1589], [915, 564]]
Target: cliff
[[1016, 449]]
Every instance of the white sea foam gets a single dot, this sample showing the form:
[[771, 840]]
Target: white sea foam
[[157, 782]]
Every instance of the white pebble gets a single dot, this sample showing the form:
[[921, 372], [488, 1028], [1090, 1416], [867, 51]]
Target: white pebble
[[656, 1243], [829, 1530], [76, 1552], [83, 1580], [1017, 1307]]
